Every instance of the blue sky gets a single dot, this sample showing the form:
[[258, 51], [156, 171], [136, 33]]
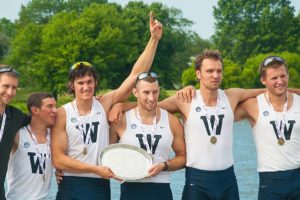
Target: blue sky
[[199, 11]]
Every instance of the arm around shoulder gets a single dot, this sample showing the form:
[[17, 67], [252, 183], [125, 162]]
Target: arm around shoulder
[[247, 110], [143, 63], [171, 104]]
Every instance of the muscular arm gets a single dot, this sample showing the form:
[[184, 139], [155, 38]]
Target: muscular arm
[[116, 130], [116, 112], [237, 95], [60, 159], [143, 64], [178, 144], [173, 105], [294, 90], [247, 110]]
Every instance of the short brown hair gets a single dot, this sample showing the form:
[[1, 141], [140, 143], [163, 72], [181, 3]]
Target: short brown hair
[[35, 99], [207, 53], [271, 62], [81, 70]]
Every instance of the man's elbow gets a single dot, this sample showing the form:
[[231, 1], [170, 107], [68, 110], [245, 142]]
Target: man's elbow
[[57, 162]]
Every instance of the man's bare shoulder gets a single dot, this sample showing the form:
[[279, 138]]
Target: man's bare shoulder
[[249, 105], [60, 119], [106, 100], [61, 111]]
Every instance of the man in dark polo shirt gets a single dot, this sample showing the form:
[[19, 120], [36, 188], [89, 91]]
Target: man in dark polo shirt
[[11, 119]]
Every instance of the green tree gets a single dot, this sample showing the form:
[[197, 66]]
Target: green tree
[[176, 45], [231, 75], [7, 31], [249, 77], [109, 36], [41, 11], [188, 76], [24, 52], [245, 28], [90, 36]]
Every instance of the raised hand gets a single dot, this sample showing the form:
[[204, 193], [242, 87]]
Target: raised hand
[[155, 26]]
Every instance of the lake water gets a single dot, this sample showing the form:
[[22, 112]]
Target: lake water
[[245, 168]]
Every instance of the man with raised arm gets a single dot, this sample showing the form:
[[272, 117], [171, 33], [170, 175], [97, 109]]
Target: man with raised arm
[[81, 130], [274, 117], [156, 131]]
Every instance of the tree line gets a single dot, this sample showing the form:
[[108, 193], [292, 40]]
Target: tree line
[[49, 36]]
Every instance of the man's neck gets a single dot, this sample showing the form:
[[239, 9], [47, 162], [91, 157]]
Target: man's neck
[[278, 101], [2, 108], [147, 116], [84, 106], [209, 96], [39, 130]]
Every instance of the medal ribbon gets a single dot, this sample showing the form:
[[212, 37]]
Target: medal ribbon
[[80, 126], [213, 127], [279, 129], [37, 149], [138, 116]]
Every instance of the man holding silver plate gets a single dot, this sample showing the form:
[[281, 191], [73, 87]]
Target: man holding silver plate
[[81, 129], [156, 131]]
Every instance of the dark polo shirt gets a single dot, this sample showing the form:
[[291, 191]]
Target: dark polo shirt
[[15, 119]]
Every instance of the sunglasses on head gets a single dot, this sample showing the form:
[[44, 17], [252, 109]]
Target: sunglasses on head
[[8, 69], [272, 59], [81, 64], [144, 75]]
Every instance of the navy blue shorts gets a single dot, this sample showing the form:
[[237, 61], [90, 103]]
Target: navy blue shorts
[[210, 185], [281, 185], [146, 191], [83, 188]]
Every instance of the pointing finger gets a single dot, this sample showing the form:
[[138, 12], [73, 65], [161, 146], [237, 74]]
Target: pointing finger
[[151, 18]]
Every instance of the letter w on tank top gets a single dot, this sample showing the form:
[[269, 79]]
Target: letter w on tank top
[[88, 128], [149, 141], [36, 165], [287, 130], [212, 121]]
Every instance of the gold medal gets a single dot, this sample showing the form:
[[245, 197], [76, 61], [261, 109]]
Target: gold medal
[[84, 151], [281, 141], [213, 140]]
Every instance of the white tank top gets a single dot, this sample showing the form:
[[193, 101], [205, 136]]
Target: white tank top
[[161, 147], [25, 174], [270, 155], [201, 153], [89, 131]]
